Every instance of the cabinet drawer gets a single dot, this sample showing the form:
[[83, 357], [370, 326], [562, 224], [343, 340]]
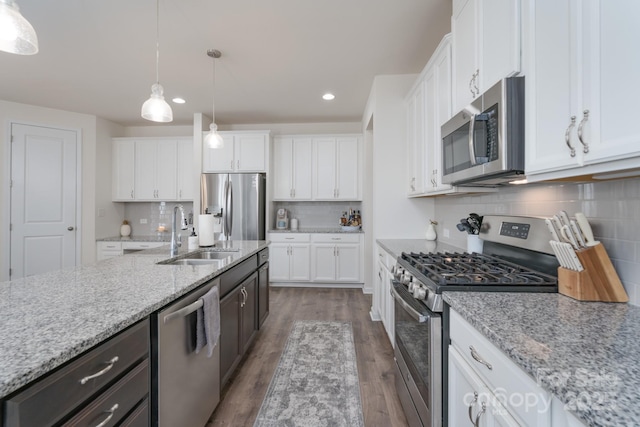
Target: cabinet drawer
[[289, 237], [263, 256], [115, 403], [110, 246], [139, 417], [504, 378], [237, 274], [49, 399], [336, 238], [385, 258], [142, 245]]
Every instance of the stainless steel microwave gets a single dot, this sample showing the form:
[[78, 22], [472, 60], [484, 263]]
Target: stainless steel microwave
[[483, 145]]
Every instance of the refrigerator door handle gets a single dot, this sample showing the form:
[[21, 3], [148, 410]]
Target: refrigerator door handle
[[229, 203]]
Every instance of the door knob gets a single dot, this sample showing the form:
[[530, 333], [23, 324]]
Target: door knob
[[70, 228]]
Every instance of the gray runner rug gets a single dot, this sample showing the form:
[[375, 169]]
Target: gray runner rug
[[316, 381]]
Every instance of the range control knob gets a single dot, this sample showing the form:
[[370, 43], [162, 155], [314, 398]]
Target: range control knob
[[419, 293], [411, 286]]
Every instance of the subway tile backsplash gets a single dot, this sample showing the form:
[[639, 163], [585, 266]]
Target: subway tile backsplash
[[612, 207], [156, 214], [315, 214]]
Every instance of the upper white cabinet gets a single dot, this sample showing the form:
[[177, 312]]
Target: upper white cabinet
[[580, 86], [292, 172], [186, 177], [156, 170], [242, 152], [336, 168], [123, 170], [152, 169], [486, 46], [415, 104]]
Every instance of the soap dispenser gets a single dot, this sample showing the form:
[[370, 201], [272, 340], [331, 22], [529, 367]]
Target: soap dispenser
[[431, 230]]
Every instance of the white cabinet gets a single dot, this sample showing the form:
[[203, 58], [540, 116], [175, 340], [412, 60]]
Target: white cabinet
[[156, 170], [580, 90], [336, 258], [289, 258], [186, 175], [123, 170], [415, 104], [486, 46], [382, 299], [152, 169], [242, 152], [292, 171], [336, 168], [106, 250], [485, 384]]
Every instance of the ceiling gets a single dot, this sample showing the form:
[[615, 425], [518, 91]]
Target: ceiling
[[278, 56]]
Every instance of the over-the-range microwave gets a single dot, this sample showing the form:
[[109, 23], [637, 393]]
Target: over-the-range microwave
[[483, 145]]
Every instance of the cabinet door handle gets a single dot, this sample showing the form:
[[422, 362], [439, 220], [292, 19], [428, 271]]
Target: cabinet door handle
[[110, 364], [132, 194], [110, 412], [471, 405], [477, 421], [470, 83], [475, 81], [180, 194], [294, 193], [567, 136], [412, 184], [238, 164], [476, 356], [585, 117], [231, 165]]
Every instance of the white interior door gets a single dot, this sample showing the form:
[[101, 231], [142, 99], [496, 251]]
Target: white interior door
[[43, 199]]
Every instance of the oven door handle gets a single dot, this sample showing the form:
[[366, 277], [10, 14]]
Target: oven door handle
[[421, 318]]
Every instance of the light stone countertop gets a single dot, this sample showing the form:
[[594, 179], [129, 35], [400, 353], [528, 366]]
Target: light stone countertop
[[395, 247], [316, 230], [47, 319], [587, 354]]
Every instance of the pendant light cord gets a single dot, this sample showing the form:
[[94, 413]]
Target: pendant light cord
[[213, 93], [157, 41]]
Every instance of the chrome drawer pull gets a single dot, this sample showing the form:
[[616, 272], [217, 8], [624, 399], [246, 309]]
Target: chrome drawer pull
[[110, 412], [484, 409], [567, 136], [580, 126], [110, 364], [479, 359]]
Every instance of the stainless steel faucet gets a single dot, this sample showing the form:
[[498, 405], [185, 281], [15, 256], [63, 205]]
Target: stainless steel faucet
[[175, 237]]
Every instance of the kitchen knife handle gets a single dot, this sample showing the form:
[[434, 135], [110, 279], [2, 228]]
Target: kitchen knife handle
[[568, 235], [552, 228], [577, 233], [586, 229]]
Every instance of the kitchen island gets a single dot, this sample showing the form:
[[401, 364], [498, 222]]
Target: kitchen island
[[49, 319]]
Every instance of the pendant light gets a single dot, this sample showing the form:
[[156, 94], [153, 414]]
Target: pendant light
[[16, 33], [213, 138], [156, 108]]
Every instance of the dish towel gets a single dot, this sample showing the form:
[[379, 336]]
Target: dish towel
[[208, 322]]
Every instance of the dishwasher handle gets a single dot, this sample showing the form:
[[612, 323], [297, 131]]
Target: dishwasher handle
[[185, 311]]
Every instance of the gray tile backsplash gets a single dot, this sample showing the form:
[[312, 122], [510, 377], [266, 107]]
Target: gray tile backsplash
[[316, 214], [155, 213], [613, 209]]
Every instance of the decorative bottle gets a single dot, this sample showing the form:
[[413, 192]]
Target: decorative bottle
[[431, 231]]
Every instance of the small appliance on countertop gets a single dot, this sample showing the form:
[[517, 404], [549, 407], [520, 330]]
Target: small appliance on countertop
[[282, 219]]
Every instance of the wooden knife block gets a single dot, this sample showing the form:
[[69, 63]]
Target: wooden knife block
[[597, 282]]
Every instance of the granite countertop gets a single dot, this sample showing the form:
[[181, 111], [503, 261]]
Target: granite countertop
[[165, 237], [316, 230], [47, 319], [395, 247], [587, 354]]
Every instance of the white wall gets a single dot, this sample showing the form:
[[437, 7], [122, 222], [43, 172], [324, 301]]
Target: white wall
[[109, 215], [392, 214], [86, 127]]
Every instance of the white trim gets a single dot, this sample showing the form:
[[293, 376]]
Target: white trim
[[316, 285], [6, 192]]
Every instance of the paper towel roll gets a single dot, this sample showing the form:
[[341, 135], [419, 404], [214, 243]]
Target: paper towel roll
[[206, 230]]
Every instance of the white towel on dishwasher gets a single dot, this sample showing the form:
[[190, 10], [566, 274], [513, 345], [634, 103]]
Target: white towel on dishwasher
[[208, 322]]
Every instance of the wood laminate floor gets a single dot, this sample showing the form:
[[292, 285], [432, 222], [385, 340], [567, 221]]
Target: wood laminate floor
[[243, 395]]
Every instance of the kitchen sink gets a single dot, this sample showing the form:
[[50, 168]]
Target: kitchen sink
[[205, 257]]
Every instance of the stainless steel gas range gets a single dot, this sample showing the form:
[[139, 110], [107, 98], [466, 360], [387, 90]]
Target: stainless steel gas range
[[516, 257]]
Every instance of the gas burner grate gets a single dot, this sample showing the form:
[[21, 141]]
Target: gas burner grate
[[474, 269]]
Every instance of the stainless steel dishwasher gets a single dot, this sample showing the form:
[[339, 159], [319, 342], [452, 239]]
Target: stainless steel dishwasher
[[186, 384]]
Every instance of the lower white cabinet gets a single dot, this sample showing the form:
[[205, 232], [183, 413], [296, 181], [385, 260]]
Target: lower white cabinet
[[289, 257], [335, 258], [106, 249], [485, 385], [318, 257]]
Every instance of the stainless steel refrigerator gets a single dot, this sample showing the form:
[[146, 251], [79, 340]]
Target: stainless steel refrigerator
[[237, 200]]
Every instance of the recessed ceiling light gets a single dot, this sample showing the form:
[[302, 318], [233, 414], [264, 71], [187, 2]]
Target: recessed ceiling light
[[328, 96], [178, 100]]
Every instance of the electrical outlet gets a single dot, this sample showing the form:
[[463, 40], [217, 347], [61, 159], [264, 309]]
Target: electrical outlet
[[102, 213], [143, 220], [445, 232]]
